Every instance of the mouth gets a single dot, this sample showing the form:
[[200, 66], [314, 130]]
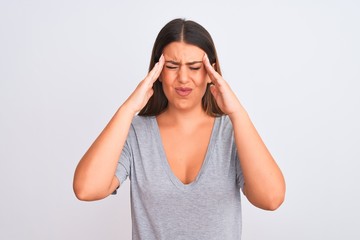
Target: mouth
[[183, 91]]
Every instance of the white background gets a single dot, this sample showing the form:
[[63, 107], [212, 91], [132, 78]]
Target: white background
[[66, 66]]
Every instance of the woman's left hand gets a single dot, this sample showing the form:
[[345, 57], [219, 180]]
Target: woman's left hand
[[264, 183], [220, 89]]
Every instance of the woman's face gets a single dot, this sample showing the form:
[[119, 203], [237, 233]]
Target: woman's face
[[184, 77]]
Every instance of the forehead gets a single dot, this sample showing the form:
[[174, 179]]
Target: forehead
[[183, 52]]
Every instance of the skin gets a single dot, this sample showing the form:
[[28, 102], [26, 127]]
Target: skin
[[264, 183], [185, 128], [94, 176], [183, 66]]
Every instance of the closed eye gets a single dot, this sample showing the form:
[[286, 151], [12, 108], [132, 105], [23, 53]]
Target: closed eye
[[195, 68], [171, 67]]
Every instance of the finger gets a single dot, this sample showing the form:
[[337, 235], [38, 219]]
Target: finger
[[160, 66], [156, 70], [214, 91], [149, 94], [214, 76]]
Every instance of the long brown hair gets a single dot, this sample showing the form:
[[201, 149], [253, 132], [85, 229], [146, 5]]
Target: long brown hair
[[190, 32]]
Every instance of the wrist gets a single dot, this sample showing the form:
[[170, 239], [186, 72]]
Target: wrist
[[240, 113], [127, 108]]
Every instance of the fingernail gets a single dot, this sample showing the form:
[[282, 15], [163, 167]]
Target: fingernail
[[161, 57]]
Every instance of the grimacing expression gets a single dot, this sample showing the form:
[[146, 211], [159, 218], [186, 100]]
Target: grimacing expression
[[184, 77]]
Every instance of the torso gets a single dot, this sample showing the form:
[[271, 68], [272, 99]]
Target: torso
[[165, 208], [186, 147]]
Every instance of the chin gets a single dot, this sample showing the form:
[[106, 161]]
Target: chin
[[185, 106]]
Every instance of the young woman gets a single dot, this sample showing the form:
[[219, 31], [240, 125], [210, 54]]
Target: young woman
[[187, 145]]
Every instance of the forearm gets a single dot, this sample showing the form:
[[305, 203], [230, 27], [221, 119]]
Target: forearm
[[94, 175], [264, 182]]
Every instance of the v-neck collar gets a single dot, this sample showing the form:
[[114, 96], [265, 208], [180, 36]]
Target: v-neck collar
[[164, 161]]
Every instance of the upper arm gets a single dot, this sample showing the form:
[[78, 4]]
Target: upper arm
[[244, 189], [115, 184]]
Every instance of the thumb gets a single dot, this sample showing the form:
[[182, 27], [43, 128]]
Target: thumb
[[214, 91]]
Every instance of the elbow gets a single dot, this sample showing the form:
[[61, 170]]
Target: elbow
[[269, 200], [275, 196], [275, 199], [83, 195], [274, 202], [87, 194]]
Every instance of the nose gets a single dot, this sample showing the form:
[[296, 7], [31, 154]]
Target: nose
[[183, 75]]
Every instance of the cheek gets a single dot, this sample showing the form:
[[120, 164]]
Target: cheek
[[201, 77], [167, 80], [167, 75]]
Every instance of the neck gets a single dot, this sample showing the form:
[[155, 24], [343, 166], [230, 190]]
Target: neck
[[184, 117]]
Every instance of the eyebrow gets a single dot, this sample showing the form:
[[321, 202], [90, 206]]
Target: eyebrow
[[188, 63]]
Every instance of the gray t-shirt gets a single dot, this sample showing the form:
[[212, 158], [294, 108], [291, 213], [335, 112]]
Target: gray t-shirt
[[162, 207]]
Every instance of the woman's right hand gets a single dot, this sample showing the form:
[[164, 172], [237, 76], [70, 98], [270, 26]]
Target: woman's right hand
[[94, 176], [141, 95]]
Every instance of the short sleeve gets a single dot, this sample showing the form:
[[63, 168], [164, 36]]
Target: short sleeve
[[239, 174], [124, 164]]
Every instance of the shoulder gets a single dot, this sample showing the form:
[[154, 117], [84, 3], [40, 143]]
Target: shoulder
[[224, 119], [141, 120], [141, 128], [142, 123], [223, 128], [224, 122]]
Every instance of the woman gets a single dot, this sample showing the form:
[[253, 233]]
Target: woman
[[188, 152]]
